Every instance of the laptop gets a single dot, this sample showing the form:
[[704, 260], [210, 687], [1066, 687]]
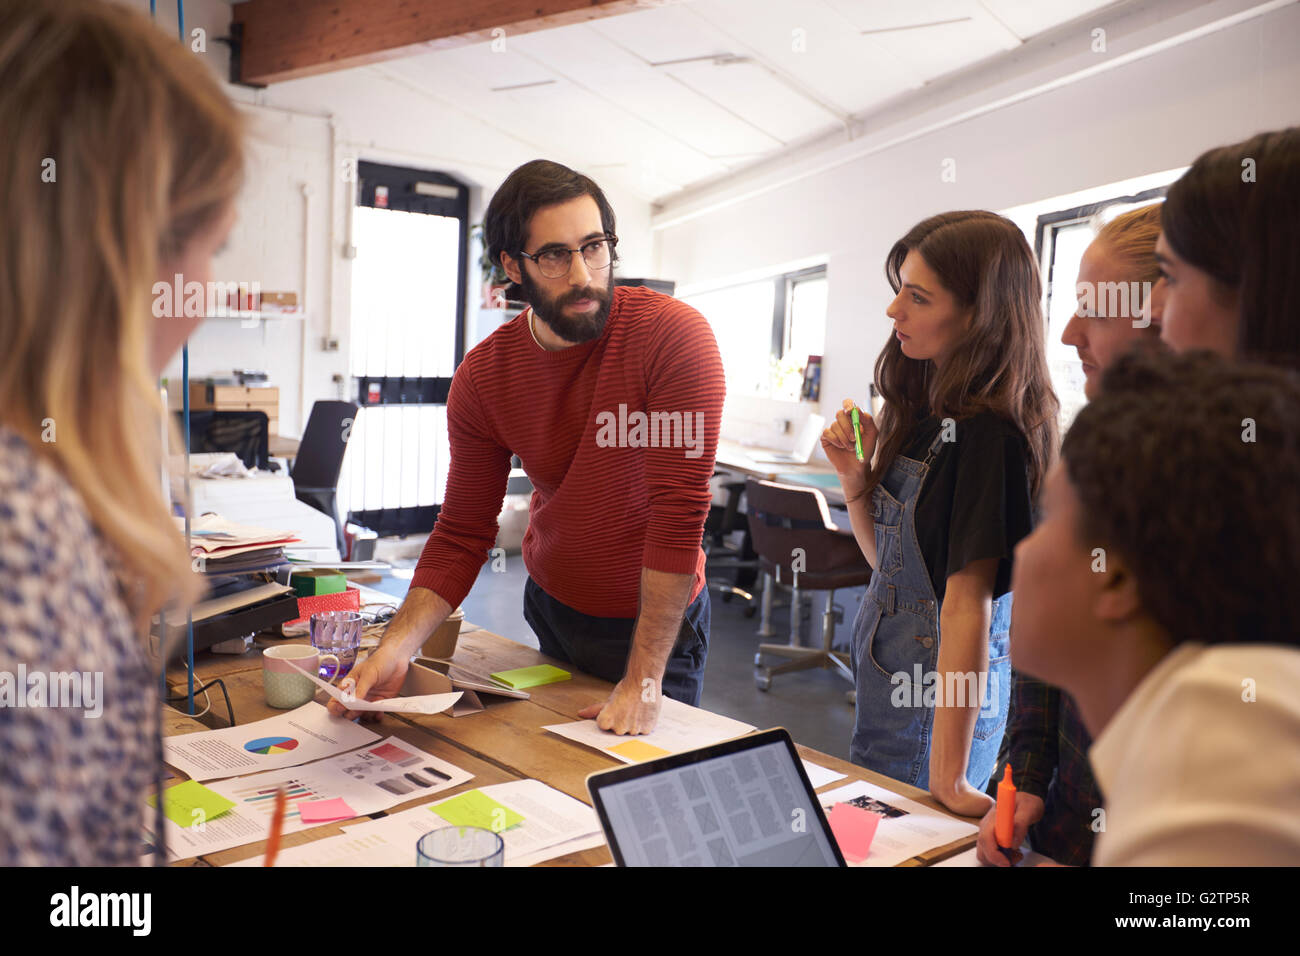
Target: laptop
[[804, 445], [745, 802]]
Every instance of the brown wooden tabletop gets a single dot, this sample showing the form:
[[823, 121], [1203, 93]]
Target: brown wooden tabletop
[[502, 743]]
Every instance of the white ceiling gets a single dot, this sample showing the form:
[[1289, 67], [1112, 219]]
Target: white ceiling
[[686, 92]]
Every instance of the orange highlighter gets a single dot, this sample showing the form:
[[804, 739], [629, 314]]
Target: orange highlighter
[[1004, 825]]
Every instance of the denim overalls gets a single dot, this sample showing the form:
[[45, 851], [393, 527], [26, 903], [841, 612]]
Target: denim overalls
[[896, 635]]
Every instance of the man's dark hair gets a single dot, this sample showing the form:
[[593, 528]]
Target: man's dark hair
[[529, 188], [1206, 519], [1236, 215]]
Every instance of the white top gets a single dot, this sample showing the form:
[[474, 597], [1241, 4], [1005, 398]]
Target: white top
[[1194, 772]]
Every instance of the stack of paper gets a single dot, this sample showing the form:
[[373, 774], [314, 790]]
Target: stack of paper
[[223, 547]]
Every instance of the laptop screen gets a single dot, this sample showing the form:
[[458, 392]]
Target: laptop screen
[[746, 802]]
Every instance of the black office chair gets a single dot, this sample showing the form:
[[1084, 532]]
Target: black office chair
[[320, 459], [730, 571]]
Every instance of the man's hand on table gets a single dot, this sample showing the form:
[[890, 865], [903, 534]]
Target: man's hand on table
[[378, 677], [632, 707]]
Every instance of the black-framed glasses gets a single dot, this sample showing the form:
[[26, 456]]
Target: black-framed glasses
[[557, 260]]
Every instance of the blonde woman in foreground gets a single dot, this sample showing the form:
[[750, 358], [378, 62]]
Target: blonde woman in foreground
[[122, 161]]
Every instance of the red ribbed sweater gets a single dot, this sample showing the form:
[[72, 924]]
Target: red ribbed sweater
[[606, 501]]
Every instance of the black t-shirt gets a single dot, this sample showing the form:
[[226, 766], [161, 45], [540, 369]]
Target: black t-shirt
[[975, 502]]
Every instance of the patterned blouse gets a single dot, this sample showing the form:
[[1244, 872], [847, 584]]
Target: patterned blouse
[[78, 706]]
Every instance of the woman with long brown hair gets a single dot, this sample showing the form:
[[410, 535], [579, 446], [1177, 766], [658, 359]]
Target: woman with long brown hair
[[967, 430], [122, 161]]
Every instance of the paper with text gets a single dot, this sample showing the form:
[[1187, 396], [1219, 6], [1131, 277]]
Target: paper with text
[[554, 824], [295, 737], [681, 727], [908, 828], [366, 781]]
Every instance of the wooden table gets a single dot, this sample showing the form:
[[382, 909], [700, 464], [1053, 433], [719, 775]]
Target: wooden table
[[502, 743]]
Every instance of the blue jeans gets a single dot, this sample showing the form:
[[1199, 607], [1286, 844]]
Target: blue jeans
[[600, 645]]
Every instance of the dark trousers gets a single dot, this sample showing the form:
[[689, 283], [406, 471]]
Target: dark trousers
[[600, 645]]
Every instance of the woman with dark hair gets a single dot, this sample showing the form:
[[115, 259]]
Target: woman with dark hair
[[1229, 252], [967, 431]]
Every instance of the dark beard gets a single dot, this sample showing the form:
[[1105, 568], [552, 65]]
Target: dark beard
[[551, 311]]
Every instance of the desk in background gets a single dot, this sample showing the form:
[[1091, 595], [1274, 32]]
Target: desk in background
[[734, 457]]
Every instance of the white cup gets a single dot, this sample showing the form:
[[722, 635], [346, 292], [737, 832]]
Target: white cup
[[283, 679]]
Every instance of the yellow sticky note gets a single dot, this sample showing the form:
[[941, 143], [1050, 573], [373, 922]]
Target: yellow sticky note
[[474, 808], [638, 750], [190, 802]]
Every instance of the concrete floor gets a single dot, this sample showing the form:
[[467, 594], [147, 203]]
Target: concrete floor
[[810, 704]]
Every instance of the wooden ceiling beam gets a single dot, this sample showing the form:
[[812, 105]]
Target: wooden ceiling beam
[[287, 39]]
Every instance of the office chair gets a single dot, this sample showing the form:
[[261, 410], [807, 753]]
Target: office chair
[[796, 540], [741, 564], [320, 459]]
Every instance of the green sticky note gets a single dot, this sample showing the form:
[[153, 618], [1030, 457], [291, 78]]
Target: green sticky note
[[474, 808], [180, 802], [522, 677]]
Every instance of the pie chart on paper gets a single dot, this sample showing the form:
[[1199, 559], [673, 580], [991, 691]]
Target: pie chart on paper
[[271, 745]]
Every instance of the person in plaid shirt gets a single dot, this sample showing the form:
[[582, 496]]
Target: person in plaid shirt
[[1046, 742]]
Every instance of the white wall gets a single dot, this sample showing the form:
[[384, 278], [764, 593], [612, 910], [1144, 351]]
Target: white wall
[[1152, 114]]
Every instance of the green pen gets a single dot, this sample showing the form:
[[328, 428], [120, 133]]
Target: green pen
[[857, 433]]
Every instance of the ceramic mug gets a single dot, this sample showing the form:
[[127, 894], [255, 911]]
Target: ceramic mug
[[283, 676]]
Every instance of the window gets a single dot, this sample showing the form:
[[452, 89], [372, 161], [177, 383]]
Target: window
[[410, 232], [805, 331], [767, 329]]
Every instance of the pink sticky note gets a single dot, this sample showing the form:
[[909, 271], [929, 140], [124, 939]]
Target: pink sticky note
[[854, 829], [325, 811]]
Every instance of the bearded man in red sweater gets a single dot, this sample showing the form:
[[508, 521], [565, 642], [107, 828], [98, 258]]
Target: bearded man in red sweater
[[612, 399]]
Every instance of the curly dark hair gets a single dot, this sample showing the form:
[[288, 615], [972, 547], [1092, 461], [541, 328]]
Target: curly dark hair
[[1188, 467], [529, 188]]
